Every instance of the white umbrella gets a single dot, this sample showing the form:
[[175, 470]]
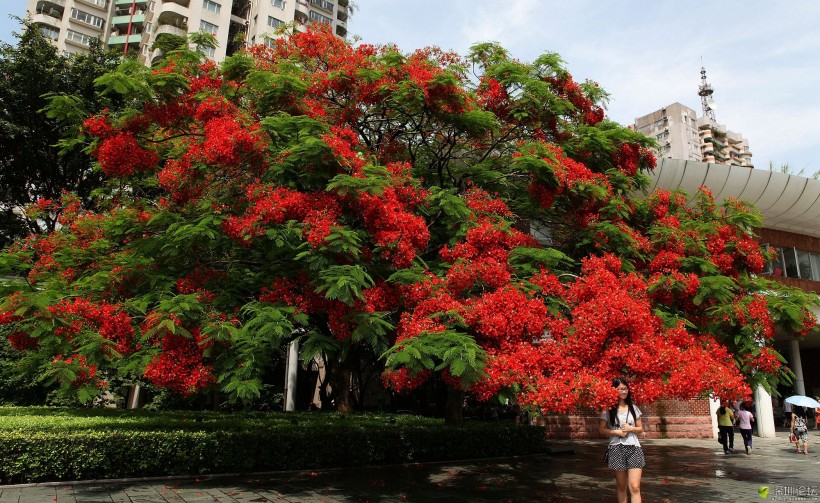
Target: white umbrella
[[803, 401]]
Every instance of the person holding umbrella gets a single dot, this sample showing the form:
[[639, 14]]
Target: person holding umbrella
[[799, 423], [800, 428]]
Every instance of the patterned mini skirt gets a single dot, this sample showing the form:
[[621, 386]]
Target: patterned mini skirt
[[624, 457]]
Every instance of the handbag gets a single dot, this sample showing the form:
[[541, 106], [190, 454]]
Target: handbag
[[792, 437]]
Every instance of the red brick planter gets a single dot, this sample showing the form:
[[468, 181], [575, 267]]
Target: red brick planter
[[663, 419]]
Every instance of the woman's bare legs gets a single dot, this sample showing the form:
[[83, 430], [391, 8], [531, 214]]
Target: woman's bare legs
[[634, 476], [621, 483]]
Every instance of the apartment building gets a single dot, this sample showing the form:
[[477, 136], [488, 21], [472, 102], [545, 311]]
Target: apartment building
[[71, 24], [681, 134], [134, 25]]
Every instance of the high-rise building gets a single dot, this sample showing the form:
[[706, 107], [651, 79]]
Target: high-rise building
[[681, 134], [134, 25]]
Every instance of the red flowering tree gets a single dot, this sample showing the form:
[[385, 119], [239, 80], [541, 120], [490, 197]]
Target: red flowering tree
[[378, 207]]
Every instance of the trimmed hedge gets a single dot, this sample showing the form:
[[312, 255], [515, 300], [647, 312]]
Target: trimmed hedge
[[57, 450]]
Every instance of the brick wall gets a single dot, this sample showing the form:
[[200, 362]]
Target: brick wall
[[662, 419]]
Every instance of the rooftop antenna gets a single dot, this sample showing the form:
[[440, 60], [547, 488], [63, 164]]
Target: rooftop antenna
[[705, 92]]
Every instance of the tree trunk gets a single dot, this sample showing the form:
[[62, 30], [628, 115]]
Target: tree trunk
[[454, 409], [339, 378]]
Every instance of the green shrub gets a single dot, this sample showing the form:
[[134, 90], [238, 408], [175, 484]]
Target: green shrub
[[41, 444]]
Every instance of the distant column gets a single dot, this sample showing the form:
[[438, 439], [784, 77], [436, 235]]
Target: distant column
[[133, 400], [797, 367], [290, 375], [764, 413], [714, 404]]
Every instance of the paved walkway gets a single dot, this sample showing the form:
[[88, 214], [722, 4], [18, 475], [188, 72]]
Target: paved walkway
[[677, 471]]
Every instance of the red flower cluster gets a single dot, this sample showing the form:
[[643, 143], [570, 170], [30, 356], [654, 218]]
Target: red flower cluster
[[180, 366], [86, 374], [122, 155], [106, 319]]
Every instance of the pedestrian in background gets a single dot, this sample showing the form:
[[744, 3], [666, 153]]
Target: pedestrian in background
[[622, 424], [800, 428], [816, 413], [726, 428], [787, 414], [744, 423]]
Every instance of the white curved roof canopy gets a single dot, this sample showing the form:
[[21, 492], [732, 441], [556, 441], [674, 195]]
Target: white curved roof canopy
[[788, 202]]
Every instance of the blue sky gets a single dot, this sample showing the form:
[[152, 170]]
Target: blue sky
[[762, 58]]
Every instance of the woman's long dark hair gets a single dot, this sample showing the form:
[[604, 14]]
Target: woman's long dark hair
[[613, 416], [799, 411]]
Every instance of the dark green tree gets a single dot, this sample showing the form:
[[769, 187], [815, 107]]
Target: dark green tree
[[32, 163]]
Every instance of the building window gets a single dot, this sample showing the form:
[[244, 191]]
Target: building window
[[209, 52], [323, 4], [102, 4], [87, 18], [318, 18], [208, 27], [151, 6], [279, 4], [793, 263], [212, 6], [804, 264], [50, 32], [78, 37], [274, 23]]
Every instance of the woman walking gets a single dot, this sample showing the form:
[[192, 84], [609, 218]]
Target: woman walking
[[744, 422], [726, 429], [800, 428], [622, 423]]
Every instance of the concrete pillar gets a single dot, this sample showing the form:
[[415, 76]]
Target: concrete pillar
[[291, 370], [714, 405], [797, 367], [764, 413]]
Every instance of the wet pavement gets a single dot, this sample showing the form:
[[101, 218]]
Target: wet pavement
[[677, 471]]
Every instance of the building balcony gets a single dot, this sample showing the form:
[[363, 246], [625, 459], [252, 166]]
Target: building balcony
[[129, 3], [184, 3], [172, 13], [241, 8], [46, 19], [156, 56], [171, 30], [341, 14], [341, 30], [46, 5], [124, 21], [302, 12], [120, 40], [342, 3]]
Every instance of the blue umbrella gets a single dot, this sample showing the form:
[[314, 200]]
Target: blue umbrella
[[803, 401]]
